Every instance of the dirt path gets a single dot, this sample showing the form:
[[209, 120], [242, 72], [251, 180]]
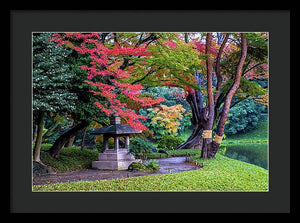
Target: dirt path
[[167, 165]]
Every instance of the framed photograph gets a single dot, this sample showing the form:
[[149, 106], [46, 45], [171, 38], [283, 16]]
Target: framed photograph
[[150, 111]]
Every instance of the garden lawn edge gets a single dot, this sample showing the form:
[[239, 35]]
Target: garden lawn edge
[[218, 174]]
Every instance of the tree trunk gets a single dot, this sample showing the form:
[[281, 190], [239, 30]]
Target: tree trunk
[[49, 131], [221, 125], [208, 121], [54, 151], [38, 141], [35, 129], [83, 138], [69, 142], [195, 140]]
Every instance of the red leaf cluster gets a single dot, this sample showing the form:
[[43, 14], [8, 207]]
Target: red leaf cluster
[[110, 58]]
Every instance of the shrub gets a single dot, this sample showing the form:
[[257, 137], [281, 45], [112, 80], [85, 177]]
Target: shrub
[[70, 159], [136, 166], [152, 166], [245, 116], [140, 146], [169, 142]]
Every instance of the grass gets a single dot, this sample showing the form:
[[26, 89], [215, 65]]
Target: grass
[[218, 174], [72, 158]]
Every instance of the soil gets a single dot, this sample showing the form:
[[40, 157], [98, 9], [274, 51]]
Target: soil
[[167, 165]]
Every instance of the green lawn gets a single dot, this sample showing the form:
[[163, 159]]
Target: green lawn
[[218, 174]]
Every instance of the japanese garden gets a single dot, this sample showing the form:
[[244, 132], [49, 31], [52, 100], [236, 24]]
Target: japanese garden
[[150, 111]]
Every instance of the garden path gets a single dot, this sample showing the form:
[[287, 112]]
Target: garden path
[[167, 165]]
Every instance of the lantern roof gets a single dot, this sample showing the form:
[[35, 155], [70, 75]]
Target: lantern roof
[[115, 128]]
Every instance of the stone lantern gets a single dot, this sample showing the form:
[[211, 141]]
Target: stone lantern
[[115, 158]]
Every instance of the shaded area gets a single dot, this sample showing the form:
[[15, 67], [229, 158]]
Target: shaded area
[[256, 154], [167, 165]]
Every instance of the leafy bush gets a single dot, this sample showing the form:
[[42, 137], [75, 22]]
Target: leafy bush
[[136, 166], [70, 159], [152, 166], [140, 146], [169, 142], [245, 116], [165, 120]]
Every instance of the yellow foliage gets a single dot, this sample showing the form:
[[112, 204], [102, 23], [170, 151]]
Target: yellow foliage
[[168, 117]]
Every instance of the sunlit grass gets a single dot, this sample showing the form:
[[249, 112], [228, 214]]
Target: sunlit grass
[[218, 174]]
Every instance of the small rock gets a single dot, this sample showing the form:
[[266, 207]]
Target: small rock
[[39, 169], [163, 151]]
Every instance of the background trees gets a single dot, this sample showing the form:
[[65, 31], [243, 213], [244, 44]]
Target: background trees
[[124, 73]]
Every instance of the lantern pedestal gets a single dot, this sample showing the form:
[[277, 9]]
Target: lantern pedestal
[[113, 159]]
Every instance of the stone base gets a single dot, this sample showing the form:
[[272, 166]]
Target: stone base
[[112, 159]]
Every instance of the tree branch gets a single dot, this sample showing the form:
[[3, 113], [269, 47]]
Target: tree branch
[[143, 78], [218, 71], [251, 68]]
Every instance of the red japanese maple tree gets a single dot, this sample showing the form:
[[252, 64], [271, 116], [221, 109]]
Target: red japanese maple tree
[[107, 62]]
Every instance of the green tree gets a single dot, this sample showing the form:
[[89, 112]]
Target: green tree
[[51, 77]]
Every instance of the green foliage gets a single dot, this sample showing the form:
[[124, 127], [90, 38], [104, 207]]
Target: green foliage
[[51, 76], [152, 166], [136, 166], [258, 46], [246, 88], [70, 159], [245, 116], [260, 134], [173, 96], [178, 63], [100, 146], [139, 146], [251, 88], [169, 142]]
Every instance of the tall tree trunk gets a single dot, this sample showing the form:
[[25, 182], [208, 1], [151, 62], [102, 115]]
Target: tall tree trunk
[[195, 140], [70, 142], [35, 129], [83, 138], [54, 151], [221, 125], [208, 124], [38, 141]]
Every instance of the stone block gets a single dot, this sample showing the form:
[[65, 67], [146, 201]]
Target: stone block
[[114, 160]]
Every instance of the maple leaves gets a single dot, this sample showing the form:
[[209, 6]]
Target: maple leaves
[[168, 118], [106, 63], [118, 63]]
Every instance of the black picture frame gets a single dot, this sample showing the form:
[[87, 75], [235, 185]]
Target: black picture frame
[[24, 22]]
